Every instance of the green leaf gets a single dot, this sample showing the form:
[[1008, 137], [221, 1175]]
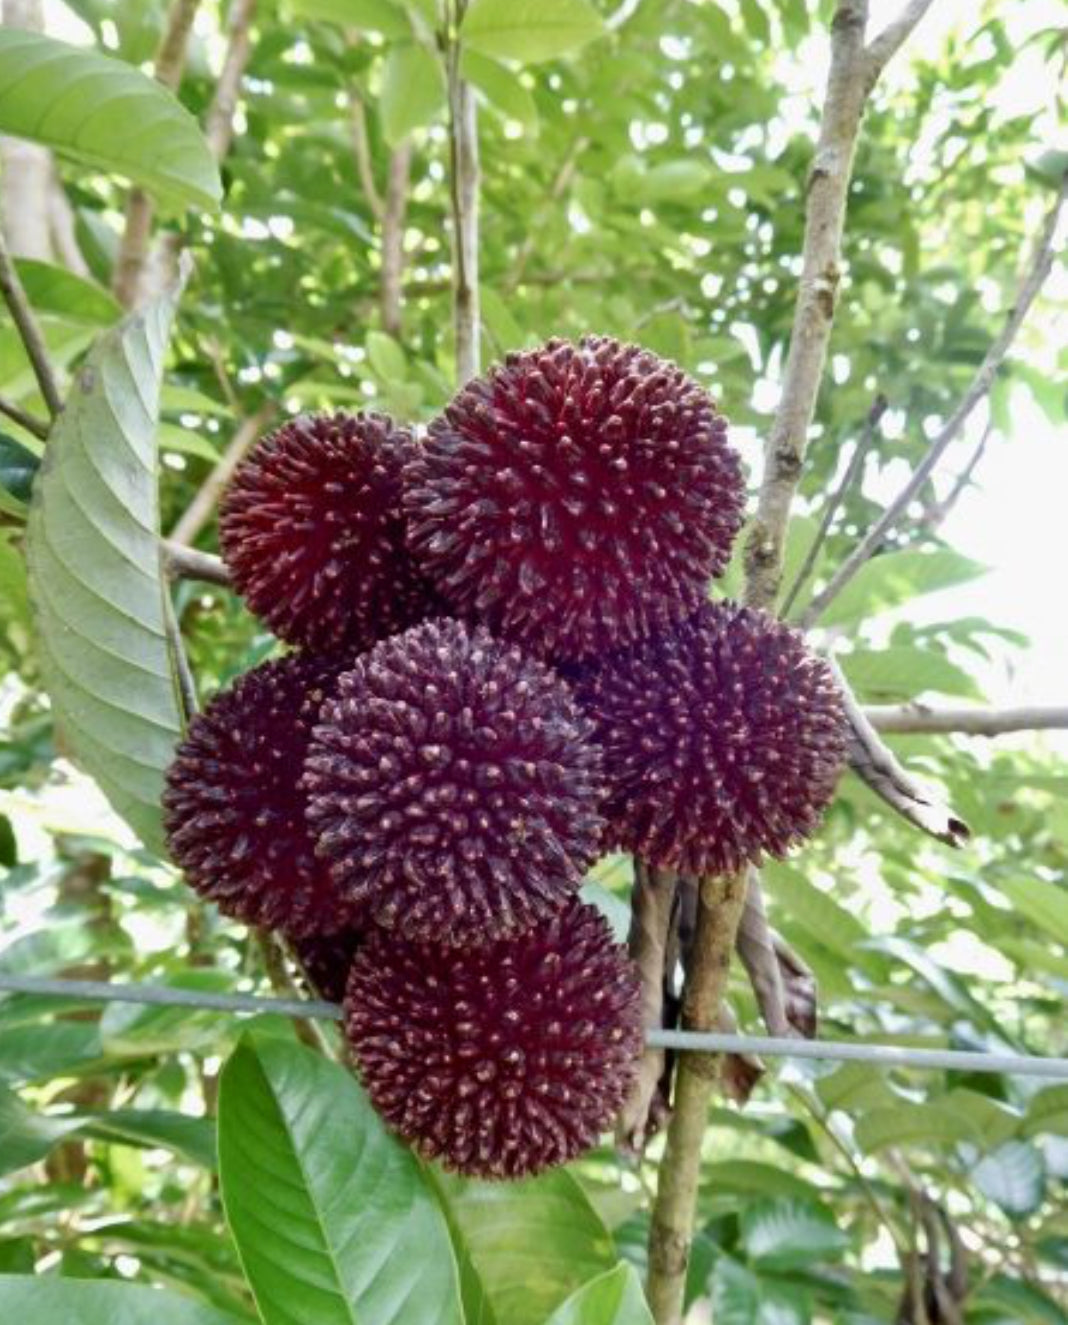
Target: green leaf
[[385, 357], [530, 1243], [94, 573], [614, 1298], [56, 290], [908, 1124], [750, 1177], [192, 1137], [890, 580], [902, 672], [787, 1233], [333, 1218], [501, 87], [171, 437], [106, 114], [364, 15], [529, 30], [1013, 1177], [18, 467], [413, 90], [1043, 902], [673, 179], [1048, 1112], [34, 1298], [25, 1136]]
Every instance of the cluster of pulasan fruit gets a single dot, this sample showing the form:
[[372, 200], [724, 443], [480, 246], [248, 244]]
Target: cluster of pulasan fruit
[[505, 663]]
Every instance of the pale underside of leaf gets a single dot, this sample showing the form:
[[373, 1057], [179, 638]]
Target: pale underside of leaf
[[95, 577]]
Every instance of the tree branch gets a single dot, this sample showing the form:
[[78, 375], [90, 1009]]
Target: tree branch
[[361, 151], [848, 86], [885, 45], [852, 473], [29, 331], [200, 509], [936, 515], [719, 911], [219, 123], [917, 718], [30, 422], [187, 563], [392, 221], [1034, 275], [126, 282], [651, 909], [463, 187]]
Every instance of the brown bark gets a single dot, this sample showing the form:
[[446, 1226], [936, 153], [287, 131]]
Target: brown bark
[[128, 278]]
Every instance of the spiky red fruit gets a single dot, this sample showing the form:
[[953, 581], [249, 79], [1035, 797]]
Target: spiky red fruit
[[503, 1061], [453, 786], [576, 498], [326, 960], [234, 811], [723, 740], [313, 533]]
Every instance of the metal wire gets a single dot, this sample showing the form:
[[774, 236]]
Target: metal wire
[[844, 1051]]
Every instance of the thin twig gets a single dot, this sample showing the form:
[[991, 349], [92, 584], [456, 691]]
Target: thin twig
[[29, 331], [463, 193], [187, 686], [199, 510], [187, 563], [219, 122], [1033, 278], [18, 415], [361, 151], [885, 44], [938, 512], [274, 963], [393, 214], [849, 478], [626, 11], [917, 718], [169, 65], [559, 187]]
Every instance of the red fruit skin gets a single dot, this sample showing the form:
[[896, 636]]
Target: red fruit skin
[[453, 786], [326, 960], [234, 812], [723, 740], [312, 531], [503, 1061], [577, 498]]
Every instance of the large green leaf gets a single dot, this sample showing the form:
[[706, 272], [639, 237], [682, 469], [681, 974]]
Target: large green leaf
[[95, 578], [529, 30], [530, 1243], [333, 1218], [31, 1298], [787, 1233], [413, 90], [106, 114], [614, 1298], [501, 86], [892, 579]]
